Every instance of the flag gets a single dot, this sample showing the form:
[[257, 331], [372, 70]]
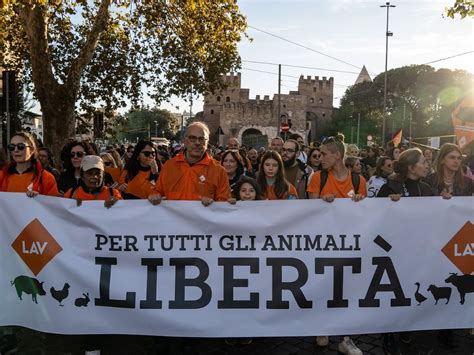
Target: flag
[[397, 139], [463, 121]]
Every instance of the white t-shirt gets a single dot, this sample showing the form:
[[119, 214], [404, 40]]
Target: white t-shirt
[[374, 184]]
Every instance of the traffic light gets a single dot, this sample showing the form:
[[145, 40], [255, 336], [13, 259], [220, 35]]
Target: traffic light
[[10, 91]]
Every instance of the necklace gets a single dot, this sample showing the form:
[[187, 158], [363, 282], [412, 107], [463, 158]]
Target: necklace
[[405, 190]]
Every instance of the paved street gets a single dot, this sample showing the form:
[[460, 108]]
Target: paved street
[[34, 343]]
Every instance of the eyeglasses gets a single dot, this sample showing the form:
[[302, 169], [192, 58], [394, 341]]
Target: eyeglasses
[[287, 150], [194, 139], [147, 153], [21, 146], [76, 154], [316, 156]]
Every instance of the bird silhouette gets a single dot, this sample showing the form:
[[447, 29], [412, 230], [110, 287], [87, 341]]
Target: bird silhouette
[[418, 296], [61, 294]]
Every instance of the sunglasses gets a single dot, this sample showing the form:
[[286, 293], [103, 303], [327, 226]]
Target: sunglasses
[[148, 153], [76, 154], [316, 156], [21, 146]]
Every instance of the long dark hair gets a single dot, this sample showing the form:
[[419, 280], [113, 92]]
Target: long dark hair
[[3, 157], [50, 156], [380, 163], [458, 176], [310, 153], [281, 185], [238, 158], [66, 158], [245, 179], [133, 165]]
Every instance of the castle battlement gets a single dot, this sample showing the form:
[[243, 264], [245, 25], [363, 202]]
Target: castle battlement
[[309, 81], [232, 79], [237, 114]]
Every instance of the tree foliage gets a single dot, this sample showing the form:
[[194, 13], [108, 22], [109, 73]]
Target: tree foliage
[[142, 123], [426, 95], [80, 54], [461, 7]]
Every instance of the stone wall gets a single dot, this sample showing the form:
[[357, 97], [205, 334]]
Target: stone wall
[[233, 110]]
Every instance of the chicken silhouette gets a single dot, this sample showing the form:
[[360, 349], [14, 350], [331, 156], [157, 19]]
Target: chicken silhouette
[[60, 295], [418, 296]]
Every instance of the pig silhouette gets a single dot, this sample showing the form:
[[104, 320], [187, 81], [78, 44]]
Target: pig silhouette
[[28, 285]]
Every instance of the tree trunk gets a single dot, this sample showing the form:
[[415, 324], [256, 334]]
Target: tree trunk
[[57, 100], [58, 122]]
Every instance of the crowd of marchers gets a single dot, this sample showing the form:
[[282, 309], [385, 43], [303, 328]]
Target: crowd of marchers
[[196, 170]]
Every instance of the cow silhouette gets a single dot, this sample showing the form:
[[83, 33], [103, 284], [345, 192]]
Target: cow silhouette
[[464, 284], [28, 285], [82, 302]]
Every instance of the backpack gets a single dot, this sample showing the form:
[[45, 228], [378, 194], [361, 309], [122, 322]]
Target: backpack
[[324, 178]]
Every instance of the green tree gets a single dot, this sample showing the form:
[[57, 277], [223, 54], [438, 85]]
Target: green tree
[[461, 7], [77, 54], [426, 95], [142, 123]]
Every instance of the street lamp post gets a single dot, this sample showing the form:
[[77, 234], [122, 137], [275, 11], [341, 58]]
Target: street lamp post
[[156, 128], [387, 34]]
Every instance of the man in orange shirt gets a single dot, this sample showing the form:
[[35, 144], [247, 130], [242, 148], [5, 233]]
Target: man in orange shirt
[[337, 181], [193, 174]]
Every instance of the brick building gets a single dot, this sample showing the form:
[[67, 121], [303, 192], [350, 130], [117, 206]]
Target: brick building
[[254, 121]]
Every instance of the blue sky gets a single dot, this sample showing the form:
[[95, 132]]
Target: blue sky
[[350, 30]]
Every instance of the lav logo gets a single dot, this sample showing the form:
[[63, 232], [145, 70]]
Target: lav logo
[[36, 246], [460, 249]]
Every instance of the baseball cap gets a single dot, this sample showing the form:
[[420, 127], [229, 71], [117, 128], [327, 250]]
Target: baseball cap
[[92, 162]]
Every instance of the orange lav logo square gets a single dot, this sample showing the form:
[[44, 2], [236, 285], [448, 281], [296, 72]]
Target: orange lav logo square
[[460, 249], [36, 246]]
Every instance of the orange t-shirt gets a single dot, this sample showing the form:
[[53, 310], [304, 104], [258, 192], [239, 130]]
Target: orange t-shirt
[[103, 195], [270, 193], [342, 189], [206, 178], [140, 186], [45, 183], [114, 172]]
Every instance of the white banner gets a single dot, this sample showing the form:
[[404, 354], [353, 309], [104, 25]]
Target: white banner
[[263, 268]]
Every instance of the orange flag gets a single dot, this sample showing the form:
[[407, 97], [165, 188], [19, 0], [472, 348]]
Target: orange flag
[[397, 139], [463, 121]]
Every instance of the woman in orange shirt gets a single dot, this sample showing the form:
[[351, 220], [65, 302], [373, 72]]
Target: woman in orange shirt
[[91, 185], [25, 173], [271, 178], [111, 166], [139, 178]]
